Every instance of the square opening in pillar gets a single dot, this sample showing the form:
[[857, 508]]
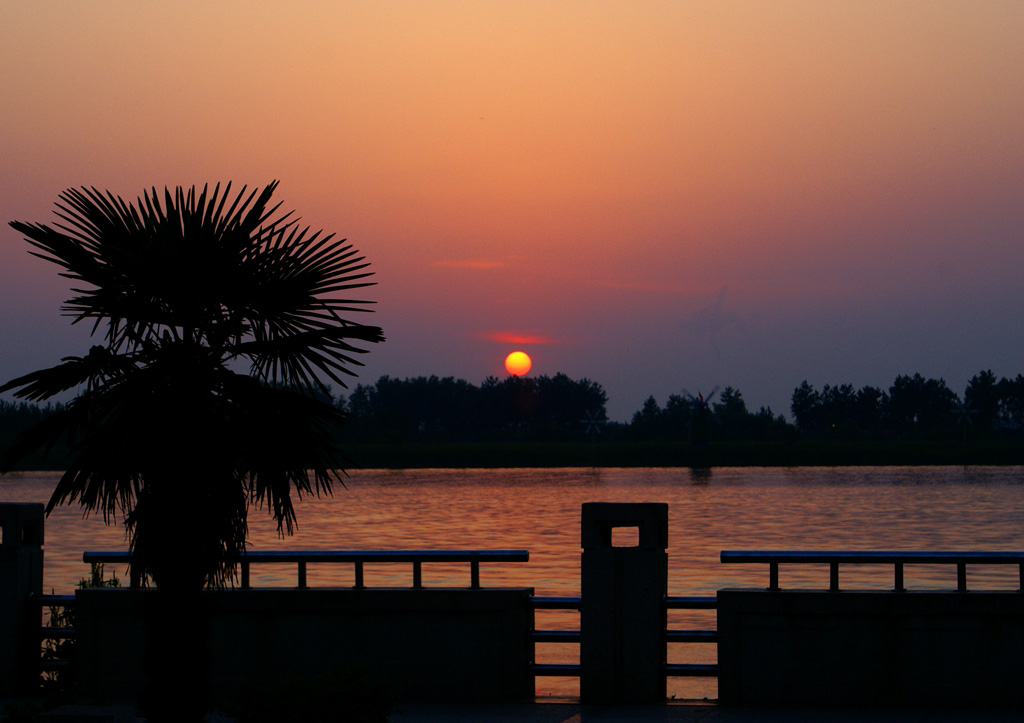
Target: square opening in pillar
[[30, 534], [626, 536]]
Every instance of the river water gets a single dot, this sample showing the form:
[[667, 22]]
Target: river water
[[848, 508]]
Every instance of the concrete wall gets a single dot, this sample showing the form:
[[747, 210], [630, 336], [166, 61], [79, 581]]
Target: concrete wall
[[429, 644], [870, 648]]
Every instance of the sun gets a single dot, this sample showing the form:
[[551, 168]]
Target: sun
[[518, 363]]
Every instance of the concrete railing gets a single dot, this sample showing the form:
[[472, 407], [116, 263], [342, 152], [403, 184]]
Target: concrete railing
[[871, 647], [823, 646], [439, 643]]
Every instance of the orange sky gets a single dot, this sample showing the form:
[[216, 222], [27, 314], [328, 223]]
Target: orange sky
[[656, 194]]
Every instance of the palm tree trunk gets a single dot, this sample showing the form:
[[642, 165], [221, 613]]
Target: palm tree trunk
[[177, 657]]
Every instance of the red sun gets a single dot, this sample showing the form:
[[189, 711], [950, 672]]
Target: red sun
[[518, 363]]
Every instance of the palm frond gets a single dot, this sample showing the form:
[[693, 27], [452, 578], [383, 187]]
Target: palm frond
[[71, 373], [183, 283], [286, 438], [303, 355]]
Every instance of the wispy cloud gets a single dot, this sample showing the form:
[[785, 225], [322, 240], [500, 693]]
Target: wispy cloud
[[518, 337], [474, 264]]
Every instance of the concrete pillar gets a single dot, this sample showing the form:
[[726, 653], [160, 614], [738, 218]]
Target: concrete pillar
[[622, 613], [21, 574]]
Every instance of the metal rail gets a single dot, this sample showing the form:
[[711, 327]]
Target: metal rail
[[691, 670], [568, 670], [671, 636], [303, 558], [692, 603], [555, 603], [898, 559], [55, 600]]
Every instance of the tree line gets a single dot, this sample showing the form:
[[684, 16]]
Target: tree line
[[912, 408], [16, 417], [558, 408], [439, 410], [444, 409]]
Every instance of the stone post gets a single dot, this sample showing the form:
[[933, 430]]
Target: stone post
[[21, 575], [622, 612]]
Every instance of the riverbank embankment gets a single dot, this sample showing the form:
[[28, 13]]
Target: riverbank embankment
[[803, 453]]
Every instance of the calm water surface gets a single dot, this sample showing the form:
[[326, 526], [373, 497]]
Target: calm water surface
[[854, 508]]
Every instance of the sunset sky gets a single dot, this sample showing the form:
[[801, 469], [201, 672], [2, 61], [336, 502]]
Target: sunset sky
[[651, 195]]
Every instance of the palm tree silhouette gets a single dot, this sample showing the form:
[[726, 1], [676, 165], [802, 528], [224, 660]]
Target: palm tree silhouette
[[222, 322]]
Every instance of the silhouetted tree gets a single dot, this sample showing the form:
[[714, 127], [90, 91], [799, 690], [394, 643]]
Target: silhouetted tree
[[164, 432], [564, 403], [646, 422], [731, 415], [838, 411], [806, 408], [767, 426], [677, 415], [921, 407], [982, 398], [869, 410], [1011, 402], [914, 408]]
